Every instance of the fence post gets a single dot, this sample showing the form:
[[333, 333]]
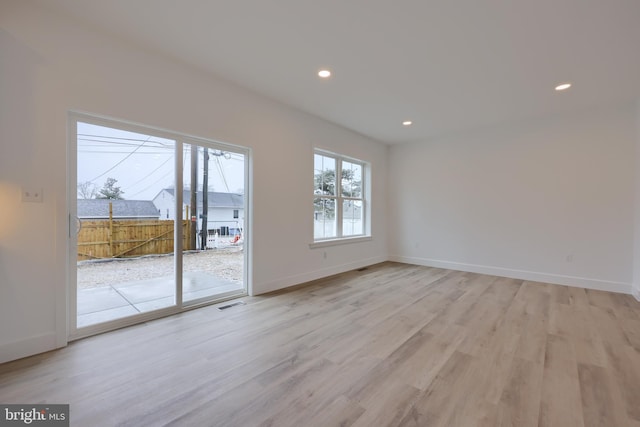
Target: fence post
[[111, 229]]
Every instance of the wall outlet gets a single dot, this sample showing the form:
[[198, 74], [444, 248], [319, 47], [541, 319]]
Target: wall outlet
[[33, 195]]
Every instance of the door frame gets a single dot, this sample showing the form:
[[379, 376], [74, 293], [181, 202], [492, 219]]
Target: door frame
[[180, 139]]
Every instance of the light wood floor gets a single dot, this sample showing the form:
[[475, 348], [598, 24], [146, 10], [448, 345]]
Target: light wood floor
[[394, 345]]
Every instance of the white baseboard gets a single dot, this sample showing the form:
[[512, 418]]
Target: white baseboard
[[636, 293], [558, 279], [27, 347], [285, 282]]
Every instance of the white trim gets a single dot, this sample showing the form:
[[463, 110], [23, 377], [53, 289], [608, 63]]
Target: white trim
[[341, 241], [63, 216], [177, 222], [27, 347], [331, 153], [558, 279], [248, 221], [636, 293], [286, 282], [61, 288], [339, 198], [72, 215], [139, 318]]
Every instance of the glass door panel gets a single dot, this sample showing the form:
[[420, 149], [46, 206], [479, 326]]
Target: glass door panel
[[126, 220], [213, 200]]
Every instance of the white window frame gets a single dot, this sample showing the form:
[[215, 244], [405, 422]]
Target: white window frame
[[339, 238]]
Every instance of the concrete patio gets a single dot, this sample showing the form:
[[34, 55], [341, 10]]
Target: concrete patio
[[104, 303]]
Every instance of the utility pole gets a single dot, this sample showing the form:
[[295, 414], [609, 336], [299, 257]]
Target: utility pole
[[218, 154], [205, 198], [194, 196]]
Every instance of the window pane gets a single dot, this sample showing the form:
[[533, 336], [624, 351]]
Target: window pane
[[352, 218], [351, 179], [324, 218], [122, 177], [324, 175]]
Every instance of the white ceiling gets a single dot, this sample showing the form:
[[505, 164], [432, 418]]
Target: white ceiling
[[448, 65]]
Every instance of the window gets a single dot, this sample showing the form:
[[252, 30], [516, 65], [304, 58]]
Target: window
[[339, 210]]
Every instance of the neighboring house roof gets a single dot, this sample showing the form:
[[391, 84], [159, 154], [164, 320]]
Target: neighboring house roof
[[215, 199], [99, 208]]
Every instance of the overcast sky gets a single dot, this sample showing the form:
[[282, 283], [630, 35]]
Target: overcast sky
[[144, 164]]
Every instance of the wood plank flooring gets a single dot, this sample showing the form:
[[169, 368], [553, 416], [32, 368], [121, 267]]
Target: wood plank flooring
[[393, 345]]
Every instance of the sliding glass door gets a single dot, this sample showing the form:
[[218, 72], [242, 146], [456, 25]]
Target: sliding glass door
[[157, 221], [214, 200]]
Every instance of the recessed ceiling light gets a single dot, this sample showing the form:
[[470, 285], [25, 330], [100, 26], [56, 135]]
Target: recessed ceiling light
[[563, 86], [324, 74], [407, 123]]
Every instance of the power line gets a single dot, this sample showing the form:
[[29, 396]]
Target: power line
[[87, 138], [120, 162], [93, 143], [119, 152], [154, 183], [224, 179], [149, 174]]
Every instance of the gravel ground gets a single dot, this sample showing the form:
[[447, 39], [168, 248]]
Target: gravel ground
[[226, 263]]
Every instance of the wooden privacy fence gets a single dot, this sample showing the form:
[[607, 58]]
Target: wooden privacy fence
[[128, 238]]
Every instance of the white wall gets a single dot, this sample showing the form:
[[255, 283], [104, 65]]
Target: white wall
[[548, 200], [636, 239], [50, 65]]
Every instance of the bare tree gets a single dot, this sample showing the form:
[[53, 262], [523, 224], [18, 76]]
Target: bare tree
[[87, 190]]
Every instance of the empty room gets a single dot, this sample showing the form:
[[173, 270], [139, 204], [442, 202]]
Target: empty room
[[390, 213]]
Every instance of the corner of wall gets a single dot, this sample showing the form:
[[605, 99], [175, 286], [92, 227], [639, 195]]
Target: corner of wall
[[27, 347], [534, 276], [635, 290]]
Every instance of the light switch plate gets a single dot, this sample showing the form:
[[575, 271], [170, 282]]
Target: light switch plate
[[33, 195]]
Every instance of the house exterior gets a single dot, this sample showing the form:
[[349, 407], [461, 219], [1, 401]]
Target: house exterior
[[122, 209], [225, 210]]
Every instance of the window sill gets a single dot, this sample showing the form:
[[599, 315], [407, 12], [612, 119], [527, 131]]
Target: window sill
[[341, 241]]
